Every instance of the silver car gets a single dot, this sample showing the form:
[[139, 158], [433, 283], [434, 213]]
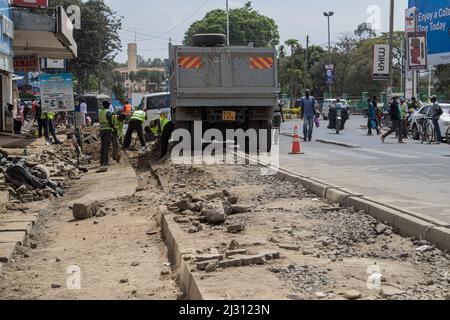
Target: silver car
[[425, 111]]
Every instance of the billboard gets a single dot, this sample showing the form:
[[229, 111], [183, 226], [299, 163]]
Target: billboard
[[26, 63], [380, 70], [30, 3], [330, 73], [417, 51], [57, 92], [434, 18]]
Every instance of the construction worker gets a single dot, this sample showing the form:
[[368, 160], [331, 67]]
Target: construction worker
[[41, 119], [118, 121], [106, 132], [51, 118], [136, 124], [163, 128], [127, 109]]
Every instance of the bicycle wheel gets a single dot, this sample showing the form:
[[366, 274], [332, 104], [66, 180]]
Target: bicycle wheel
[[429, 133]]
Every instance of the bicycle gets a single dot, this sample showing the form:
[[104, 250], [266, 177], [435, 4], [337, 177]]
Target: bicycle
[[426, 130]]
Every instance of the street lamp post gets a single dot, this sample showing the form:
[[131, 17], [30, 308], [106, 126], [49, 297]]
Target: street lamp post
[[328, 15], [228, 23]]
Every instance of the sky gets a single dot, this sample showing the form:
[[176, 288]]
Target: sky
[[157, 20]]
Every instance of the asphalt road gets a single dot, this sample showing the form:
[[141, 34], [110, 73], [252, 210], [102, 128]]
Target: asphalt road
[[413, 176]]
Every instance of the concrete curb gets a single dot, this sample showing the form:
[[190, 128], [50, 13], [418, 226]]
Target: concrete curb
[[341, 144], [337, 143], [406, 223], [186, 279]]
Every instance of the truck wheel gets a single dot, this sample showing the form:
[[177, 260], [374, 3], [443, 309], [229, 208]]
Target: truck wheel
[[209, 40]]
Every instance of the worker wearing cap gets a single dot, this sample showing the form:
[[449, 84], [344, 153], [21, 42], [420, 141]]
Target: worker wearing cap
[[162, 127], [136, 125]]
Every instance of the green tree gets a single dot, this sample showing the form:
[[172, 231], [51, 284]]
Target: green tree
[[246, 25], [98, 41], [443, 80]]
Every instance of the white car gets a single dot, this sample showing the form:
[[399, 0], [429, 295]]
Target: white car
[[425, 111], [156, 103], [327, 103]]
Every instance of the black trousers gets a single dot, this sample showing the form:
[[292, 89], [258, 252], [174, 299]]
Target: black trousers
[[17, 126], [135, 125], [396, 126], [106, 137], [52, 129], [165, 138], [42, 124]]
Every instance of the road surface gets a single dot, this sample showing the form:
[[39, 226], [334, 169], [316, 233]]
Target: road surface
[[413, 176]]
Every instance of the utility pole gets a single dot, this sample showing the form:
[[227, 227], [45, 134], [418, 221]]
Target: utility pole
[[228, 23], [391, 46], [306, 61], [328, 15]]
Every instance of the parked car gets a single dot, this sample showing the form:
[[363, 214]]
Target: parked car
[[425, 111], [327, 103], [156, 103]]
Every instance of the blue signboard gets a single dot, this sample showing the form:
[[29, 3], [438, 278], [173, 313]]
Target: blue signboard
[[57, 92], [6, 41], [434, 18]]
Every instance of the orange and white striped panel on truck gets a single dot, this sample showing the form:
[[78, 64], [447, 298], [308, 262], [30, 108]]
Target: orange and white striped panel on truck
[[190, 62], [261, 63]]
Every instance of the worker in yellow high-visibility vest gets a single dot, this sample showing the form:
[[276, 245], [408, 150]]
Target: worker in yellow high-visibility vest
[[106, 132], [51, 118], [162, 127], [136, 125]]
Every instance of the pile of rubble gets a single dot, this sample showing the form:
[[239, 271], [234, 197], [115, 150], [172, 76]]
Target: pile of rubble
[[34, 177], [213, 210]]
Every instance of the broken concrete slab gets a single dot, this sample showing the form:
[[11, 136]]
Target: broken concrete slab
[[13, 237], [6, 251], [16, 226], [209, 257]]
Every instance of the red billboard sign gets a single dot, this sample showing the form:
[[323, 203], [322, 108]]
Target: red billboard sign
[[30, 3]]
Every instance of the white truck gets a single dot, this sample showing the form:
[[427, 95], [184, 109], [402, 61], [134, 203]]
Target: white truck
[[223, 87]]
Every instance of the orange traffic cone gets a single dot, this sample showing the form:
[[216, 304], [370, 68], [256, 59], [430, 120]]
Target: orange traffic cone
[[296, 148]]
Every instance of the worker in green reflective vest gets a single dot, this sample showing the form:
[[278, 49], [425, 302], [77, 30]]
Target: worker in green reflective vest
[[106, 132], [163, 128], [51, 119], [136, 125]]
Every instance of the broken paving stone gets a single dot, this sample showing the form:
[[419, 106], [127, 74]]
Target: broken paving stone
[[202, 265], [239, 209], [232, 263], [352, 295], [380, 229], [187, 213], [85, 211], [235, 227], [290, 247], [152, 232], [181, 220], [233, 200], [321, 295], [194, 229], [212, 266], [214, 213], [387, 292], [183, 205]]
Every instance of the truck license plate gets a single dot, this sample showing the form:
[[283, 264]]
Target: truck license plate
[[229, 116]]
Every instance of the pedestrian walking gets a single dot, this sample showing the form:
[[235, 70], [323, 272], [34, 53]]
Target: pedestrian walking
[[307, 114], [18, 116], [372, 118], [136, 125], [83, 109], [396, 121], [404, 117], [436, 112], [106, 132]]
